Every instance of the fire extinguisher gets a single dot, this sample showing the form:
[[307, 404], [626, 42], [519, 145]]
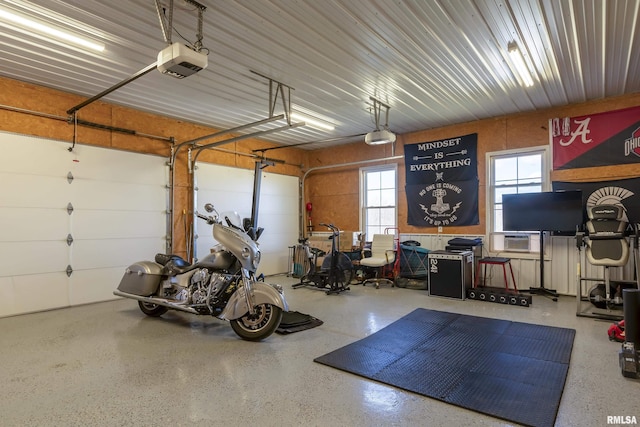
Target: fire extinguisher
[[309, 207]]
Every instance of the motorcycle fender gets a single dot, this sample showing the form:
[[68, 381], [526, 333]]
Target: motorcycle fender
[[262, 294]]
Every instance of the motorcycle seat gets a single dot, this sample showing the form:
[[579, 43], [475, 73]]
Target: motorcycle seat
[[177, 261]]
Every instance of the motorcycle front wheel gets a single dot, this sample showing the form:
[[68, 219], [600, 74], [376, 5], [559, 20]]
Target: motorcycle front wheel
[[153, 310], [261, 324]]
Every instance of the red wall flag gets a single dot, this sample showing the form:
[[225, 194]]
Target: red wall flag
[[611, 138]]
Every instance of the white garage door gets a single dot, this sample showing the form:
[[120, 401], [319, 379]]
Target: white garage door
[[119, 202], [231, 189]]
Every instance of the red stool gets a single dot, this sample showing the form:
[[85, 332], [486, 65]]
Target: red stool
[[495, 261]]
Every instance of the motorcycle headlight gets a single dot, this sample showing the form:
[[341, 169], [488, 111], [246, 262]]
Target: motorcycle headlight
[[256, 260], [245, 253]]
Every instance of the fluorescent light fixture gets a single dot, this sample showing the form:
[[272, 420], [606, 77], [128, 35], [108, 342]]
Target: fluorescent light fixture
[[48, 30], [312, 122], [518, 62]]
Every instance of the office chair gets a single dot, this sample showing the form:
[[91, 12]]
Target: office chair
[[383, 256]]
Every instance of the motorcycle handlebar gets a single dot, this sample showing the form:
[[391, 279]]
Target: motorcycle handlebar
[[209, 219], [331, 226]]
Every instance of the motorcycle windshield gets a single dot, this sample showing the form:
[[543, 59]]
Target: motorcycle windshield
[[232, 216]]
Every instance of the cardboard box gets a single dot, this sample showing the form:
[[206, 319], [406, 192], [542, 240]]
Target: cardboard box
[[323, 242], [347, 241]]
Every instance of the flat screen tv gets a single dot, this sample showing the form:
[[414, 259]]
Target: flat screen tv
[[559, 211]]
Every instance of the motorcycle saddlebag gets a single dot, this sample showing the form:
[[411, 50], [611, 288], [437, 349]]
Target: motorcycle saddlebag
[[141, 278]]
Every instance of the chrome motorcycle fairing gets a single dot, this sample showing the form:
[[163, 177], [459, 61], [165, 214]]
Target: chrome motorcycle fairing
[[240, 244]]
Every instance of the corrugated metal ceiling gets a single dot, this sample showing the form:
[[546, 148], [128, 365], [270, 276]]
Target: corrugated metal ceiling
[[434, 62]]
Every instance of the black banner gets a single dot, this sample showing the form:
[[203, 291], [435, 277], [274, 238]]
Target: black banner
[[443, 203], [625, 192], [448, 160]]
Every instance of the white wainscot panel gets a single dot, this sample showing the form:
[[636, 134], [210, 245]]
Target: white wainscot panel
[[33, 224], [118, 224], [90, 254], [87, 286], [18, 258], [37, 292]]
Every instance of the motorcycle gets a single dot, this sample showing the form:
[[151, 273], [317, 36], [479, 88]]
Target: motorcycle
[[223, 284]]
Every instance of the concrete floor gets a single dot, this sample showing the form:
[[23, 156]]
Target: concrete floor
[[107, 364]]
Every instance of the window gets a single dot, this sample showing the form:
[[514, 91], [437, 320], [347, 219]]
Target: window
[[378, 197], [513, 172]]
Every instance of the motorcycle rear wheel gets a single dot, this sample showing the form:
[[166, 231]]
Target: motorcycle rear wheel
[[153, 310], [260, 325]]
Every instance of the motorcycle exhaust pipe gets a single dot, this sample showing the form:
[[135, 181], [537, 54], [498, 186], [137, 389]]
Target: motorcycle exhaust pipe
[[155, 300]]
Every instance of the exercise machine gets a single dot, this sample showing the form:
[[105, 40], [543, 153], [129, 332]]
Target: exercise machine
[[607, 242], [336, 271]]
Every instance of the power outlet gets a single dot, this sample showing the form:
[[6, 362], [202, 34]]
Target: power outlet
[[440, 229]]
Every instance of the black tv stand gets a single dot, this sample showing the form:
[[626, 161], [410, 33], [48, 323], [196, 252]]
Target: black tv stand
[[551, 293]]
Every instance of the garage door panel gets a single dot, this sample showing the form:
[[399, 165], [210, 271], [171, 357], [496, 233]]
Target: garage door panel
[[45, 156], [120, 203], [279, 224], [8, 301], [31, 191], [97, 254], [116, 224], [87, 286], [274, 184], [103, 164], [275, 204], [224, 201], [224, 178], [278, 209], [118, 196], [20, 258], [37, 292], [273, 263], [33, 224]]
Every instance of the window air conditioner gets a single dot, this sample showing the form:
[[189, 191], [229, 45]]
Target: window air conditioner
[[517, 242]]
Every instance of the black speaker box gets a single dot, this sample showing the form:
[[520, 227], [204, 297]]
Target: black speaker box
[[499, 297]]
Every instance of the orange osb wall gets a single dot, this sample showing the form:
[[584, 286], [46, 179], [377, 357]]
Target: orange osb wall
[[334, 193], [25, 96]]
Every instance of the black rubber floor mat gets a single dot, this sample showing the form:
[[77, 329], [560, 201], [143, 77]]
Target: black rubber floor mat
[[510, 370], [294, 321]]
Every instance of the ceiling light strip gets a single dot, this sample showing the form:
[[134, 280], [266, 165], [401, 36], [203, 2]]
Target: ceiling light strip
[[50, 31], [518, 62], [312, 122]]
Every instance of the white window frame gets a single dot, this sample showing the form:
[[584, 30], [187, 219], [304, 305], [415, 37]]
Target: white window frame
[[496, 239], [363, 195]]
